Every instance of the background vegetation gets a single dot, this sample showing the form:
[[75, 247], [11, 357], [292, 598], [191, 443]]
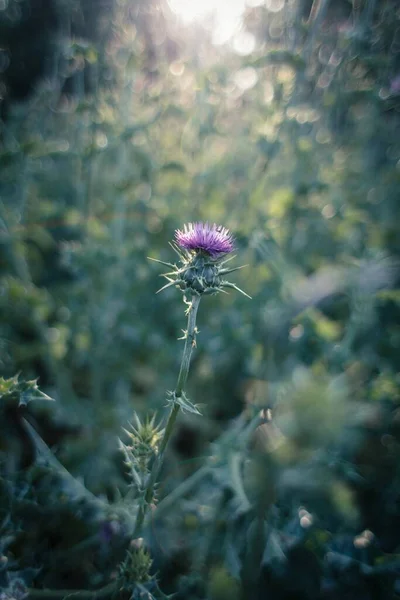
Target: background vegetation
[[119, 124]]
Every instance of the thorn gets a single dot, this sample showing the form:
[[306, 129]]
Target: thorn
[[166, 286], [189, 306], [235, 287], [227, 260], [176, 249], [172, 273], [225, 271], [167, 264]]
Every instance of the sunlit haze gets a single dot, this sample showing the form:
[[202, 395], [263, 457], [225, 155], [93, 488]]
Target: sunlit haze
[[225, 15]]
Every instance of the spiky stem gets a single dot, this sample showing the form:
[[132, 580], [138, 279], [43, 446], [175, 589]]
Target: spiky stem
[[190, 342]]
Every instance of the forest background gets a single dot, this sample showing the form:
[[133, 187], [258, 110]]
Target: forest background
[[120, 123]]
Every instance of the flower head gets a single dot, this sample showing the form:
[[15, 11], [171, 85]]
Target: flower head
[[213, 240], [202, 249]]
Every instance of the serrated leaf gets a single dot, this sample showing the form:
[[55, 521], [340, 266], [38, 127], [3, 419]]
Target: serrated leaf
[[8, 386], [32, 393], [184, 402], [21, 391], [44, 456]]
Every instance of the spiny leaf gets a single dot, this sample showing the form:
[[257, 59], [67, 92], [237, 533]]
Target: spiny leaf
[[21, 391], [33, 393], [45, 456], [184, 402]]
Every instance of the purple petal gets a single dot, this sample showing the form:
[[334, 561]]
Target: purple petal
[[212, 239]]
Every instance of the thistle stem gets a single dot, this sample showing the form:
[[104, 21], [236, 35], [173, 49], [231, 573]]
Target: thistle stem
[[190, 342]]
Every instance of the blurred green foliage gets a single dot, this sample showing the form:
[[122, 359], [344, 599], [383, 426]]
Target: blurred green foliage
[[288, 485]]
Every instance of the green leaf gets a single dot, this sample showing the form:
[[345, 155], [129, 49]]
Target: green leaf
[[44, 456], [21, 391], [33, 393], [184, 402]]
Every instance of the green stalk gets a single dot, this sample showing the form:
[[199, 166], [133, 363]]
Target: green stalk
[[190, 342]]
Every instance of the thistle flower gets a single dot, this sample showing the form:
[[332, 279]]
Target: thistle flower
[[202, 249], [213, 240]]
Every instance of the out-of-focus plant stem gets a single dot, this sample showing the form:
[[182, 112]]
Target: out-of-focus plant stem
[[240, 433], [190, 342], [103, 592], [21, 269], [182, 489]]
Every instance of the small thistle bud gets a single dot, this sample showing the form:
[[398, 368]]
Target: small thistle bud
[[144, 441], [202, 249], [136, 566]]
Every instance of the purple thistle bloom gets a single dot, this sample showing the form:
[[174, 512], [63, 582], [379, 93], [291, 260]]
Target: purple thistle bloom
[[212, 239]]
